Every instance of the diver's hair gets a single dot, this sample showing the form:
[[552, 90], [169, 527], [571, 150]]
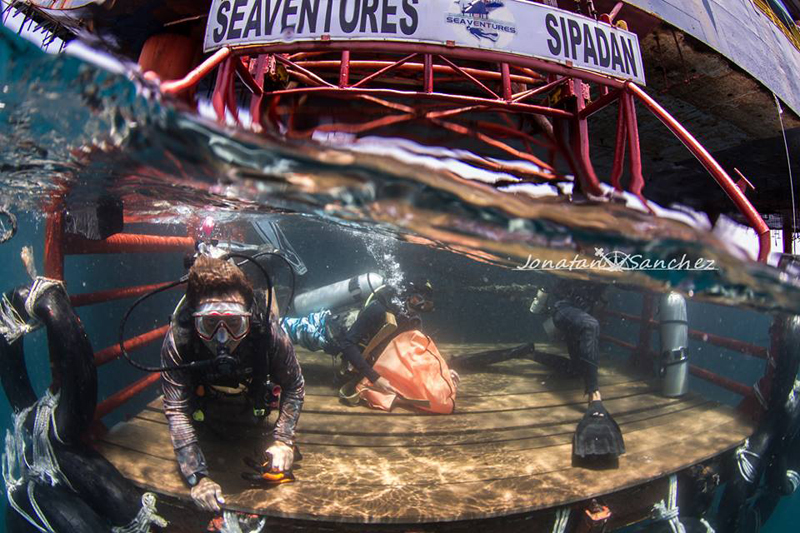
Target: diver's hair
[[210, 276]]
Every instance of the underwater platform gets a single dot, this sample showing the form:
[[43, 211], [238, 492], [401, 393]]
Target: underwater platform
[[505, 454]]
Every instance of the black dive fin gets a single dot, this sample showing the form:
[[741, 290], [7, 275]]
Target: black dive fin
[[490, 357], [597, 435]]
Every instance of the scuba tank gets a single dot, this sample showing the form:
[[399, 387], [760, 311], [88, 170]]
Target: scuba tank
[[674, 364], [343, 293]]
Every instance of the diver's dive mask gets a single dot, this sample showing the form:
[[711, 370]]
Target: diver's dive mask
[[222, 325], [420, 303]]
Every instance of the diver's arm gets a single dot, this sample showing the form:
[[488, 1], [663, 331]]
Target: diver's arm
[[177, 399], [285, 371], [365, 327]]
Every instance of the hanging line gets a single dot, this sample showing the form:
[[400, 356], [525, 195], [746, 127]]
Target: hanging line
[[789, 164]]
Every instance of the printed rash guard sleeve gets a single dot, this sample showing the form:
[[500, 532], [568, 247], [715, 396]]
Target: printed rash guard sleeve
[[284, 370], [366, 326], [177, 389]]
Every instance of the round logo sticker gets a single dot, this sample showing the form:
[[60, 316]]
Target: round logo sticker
[[484, 23]]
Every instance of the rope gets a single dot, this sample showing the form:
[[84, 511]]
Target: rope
[[789, 164], [760, 396], [744, 460], [562, 517], [146, 516], [669, 511], [40, 284], [12, 327], [43, 468], [709, 529], [45, 465], [230, 524]]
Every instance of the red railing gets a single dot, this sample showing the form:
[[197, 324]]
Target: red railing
[[564, 94], [642, 351], [58, 246]]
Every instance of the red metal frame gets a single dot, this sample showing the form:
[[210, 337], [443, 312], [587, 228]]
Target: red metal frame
[[319, 74]]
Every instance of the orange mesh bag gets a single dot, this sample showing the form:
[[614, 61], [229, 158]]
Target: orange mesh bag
[[412, 364]]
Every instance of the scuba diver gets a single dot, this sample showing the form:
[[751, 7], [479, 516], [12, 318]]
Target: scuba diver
[[765, 468], [54, 481], [569, 305], [226, 329], [386, 315]]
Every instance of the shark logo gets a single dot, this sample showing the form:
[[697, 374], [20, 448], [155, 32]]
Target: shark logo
[[476, 17]]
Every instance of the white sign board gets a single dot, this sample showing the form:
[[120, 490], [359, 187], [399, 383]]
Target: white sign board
[[512, 26]]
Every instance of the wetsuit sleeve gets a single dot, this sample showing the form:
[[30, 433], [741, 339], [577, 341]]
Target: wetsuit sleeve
[[177, 407], [367, 324], [284, 370]]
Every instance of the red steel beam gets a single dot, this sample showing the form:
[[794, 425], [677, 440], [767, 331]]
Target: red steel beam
[[714, 168], [384, 70], [524, 95], [720, 381], [127, 243], [596, 105], [123, 396], [619, 148], [89, 298], [247, 78], [414, 68], [305, 71], [113, 352], [707, 375], [506, 76], [468, 100], [645, 329], [428, 74], [469, 76], [489, 56], [194, 77], [54, 244], [612, 340], [717, 340], [344, 69], [632, 127]]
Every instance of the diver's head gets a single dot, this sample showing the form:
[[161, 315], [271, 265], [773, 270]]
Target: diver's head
[[419, 296], [221, 298]]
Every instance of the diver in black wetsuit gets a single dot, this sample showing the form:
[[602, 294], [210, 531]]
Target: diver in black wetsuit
[[571, 303], [222, 315], [355, 342], [54, 481], [765, 467]]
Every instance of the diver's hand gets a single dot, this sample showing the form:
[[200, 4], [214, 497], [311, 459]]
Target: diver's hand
[[208, 495], [282, 457], [383, 385]]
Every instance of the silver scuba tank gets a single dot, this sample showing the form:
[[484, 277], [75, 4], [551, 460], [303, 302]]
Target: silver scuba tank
[[343, 293], [674, 364]]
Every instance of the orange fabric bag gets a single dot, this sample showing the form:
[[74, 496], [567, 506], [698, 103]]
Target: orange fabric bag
[[412, 364]]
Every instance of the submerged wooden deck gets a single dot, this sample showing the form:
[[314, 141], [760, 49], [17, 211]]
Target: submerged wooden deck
[[506, 450]]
